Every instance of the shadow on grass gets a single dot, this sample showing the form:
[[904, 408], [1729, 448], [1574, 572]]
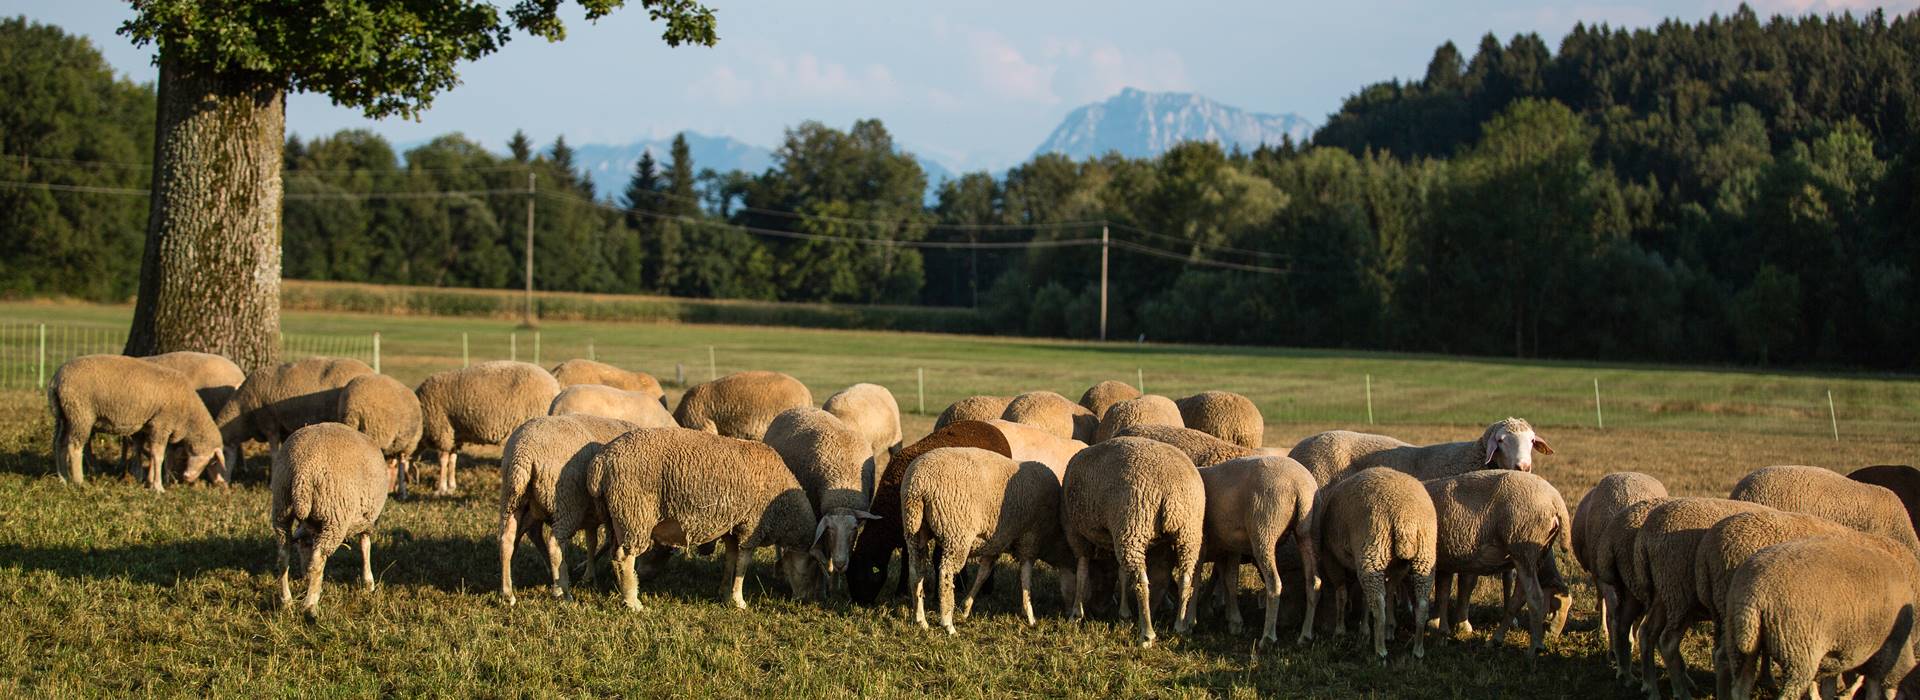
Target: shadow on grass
[[152, 564]]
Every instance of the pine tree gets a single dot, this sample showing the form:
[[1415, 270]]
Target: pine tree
[[521, 146]]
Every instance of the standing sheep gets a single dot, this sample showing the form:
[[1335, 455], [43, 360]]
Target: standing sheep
[[740, 405], [869, 409], [277, 400], [1818, 607], [388, 413], [1030, 444], [1053, 413], [1100, 397], [1607, 498], [329, 483], [479, 405], [1506, 444], [867, 567], [577, 371], [543, 482], [1253, 503], [1202, 448], [1225, 415], [1824, 492], [1664, 552], [1491, 521], [634, 407], [971, 503], [1375, 527], [1127, 496], [680, 487], [1152, 409], [213, 377], [126, 397], [1613, 568], [973, 408], [834, 465], [1902, 480]]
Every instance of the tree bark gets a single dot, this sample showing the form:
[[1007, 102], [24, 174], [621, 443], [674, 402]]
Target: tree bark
[[210, 272]]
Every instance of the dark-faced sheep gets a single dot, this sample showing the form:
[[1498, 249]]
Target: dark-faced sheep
[[834, 464], [1225, 415], [740, 405], [1124, 497], [479, 405]]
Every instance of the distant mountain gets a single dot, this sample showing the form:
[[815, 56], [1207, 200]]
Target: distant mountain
[[610, 166], [1144, 124]]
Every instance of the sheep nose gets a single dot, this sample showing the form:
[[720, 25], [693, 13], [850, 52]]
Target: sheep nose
[[1526, 466]]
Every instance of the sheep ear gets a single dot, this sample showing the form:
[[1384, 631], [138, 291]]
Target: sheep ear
[[1540, 445], [819, 531], [1493, 445], [863, 515]]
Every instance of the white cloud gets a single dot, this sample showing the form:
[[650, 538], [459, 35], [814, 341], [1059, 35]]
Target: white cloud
[[1006, 72], [722, 85], [1766, 8], [800, 77]]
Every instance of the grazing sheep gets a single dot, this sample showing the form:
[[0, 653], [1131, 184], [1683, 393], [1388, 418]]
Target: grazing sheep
[[1492, 521], [1615, 492], [1824, 492], [1664, 552], [740, 405], [869, 409], [1030, 444], [1127, 496], [1506, 444], [213, 377], [388, 413], [543, 483], [973, 408], [1902, 480], [972, 503], [1104, 395], [577, 371], [479, 405], [1053, 413], [1152, 409], [1818, 607], [1252, 504], [1225, 415], [1375, 527], [834, 464], [275, 401], [1613, 568], [329, 483], [127, 397], [1202, 448], [867, 566], [635, 407], [680, 487]]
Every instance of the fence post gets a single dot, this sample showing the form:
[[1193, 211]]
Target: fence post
[[376, 352], [464, 360], [713, 369], [513, 347], [1140, 379], [922, 372], [1833, 415], [1369, 399], [679, 374], [43, 356], [536, 347], [1598, 418], [590, 350]]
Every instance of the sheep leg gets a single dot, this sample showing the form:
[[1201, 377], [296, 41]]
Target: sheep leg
[[1186, 561], [324, 544], [739, 556], [982, 569], [1311, 584], [156, 460], [952, 558], [1026, 589], [917, 561], [1671, 635], [1627, 613], [366, 560], [509, 537], [1269, 568], [1650, 626], [1422, 598], [1080, 580], [1462, 603], [285, 533], [1603, 604], [593, 549], [623, 557], [1227, 570], [556, 557], [1536, 600], [1134, 573], [1373, 586]]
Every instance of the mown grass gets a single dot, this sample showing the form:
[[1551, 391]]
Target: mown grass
[[113, 591]]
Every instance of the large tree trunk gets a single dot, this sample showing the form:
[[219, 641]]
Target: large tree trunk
[[210, 274]]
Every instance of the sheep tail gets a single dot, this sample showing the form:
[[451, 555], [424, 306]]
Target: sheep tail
[[1743, 630], [912, 509]]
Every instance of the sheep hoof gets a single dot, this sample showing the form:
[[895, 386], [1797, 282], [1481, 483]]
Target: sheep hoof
[[311, 613], [511, 600], [1146, 642], [1462, 628], [634, 605], [950, 631], [1234, 627]]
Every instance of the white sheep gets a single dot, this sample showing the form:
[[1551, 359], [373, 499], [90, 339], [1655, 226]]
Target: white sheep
[[1126, 496], [970, 503], [680, 487], [1818, 607], [1492, 521], [1613, 568], [479, 405], [577, 371], [388, 413], [1053, 413], [740, 405], [1029, 444], [329, 483], [1100, 397], [126, 397], [1607, 498], [1505, 444], [1664, 552], [869, 409], [1204, 449], [1253, 503], [543, 483], [634, 407], [1151, 409], [1225, 415], [213, 377], [834, 464], [1372, 525], [1826, 493], [973, 408], [867, 568], [275, 401]]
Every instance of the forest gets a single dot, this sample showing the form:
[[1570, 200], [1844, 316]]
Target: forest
[[1737, 190]]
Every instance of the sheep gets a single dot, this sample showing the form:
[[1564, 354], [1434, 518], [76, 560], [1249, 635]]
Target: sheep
[[213, 377], [1225, 415], [869, 409], [1202, 448], [1490, 521], [275, 401], [634, 407], [1053, 413], [1613, 493], [834, 464], [543, 482], [1030, 444], [867, 566], [329, 483], [1151, 409], [127, 397], [1505, 444], [1664, 552], [740, 405], [974, 504], [1100, 397], [1902, 480], [479, 405], [1824, 492], [1376, 525], [680, 487], [1727, 545], [1820, 606], [577, 371], [1126, 496], [388, 413], [1253, 503], [1613, 568], [973, 408]]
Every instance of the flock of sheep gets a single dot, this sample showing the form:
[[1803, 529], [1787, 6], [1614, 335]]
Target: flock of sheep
[[1124, 494]]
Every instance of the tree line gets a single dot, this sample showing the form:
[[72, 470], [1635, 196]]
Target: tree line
[[1732, 190]]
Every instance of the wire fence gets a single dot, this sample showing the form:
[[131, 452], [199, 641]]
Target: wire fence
[[30, 351]]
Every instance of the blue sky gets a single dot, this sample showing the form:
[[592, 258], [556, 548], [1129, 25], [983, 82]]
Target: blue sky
[[970, 84]]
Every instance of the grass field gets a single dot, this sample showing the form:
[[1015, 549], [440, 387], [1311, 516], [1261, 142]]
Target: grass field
[[112, 591]]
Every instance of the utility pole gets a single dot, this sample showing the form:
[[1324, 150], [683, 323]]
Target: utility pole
[[1105, 244], [527, 319]]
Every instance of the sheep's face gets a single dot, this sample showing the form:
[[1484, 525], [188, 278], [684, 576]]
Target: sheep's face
[[198, 463], [1513, 449], [833, 537], [801, 572]]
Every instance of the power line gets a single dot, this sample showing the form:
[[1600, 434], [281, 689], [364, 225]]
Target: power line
[[72, 188], [800, 235], [1136, 247], [433, 194], [848, 220], [1200, 244]]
